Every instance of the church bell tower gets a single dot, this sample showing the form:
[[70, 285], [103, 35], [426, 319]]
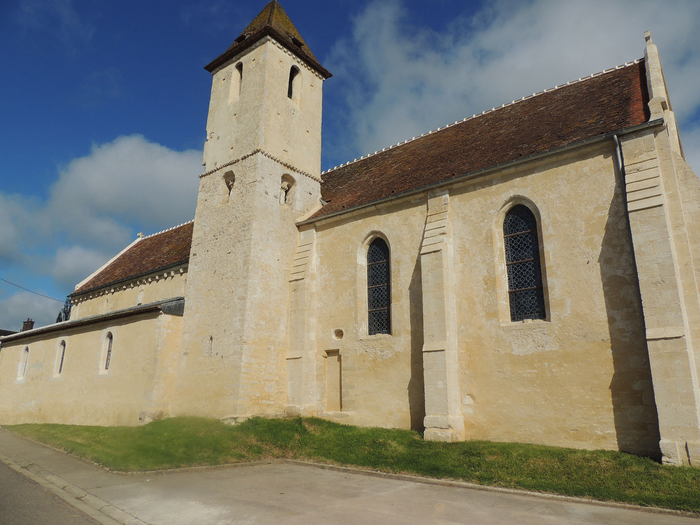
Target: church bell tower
[[262, 161]]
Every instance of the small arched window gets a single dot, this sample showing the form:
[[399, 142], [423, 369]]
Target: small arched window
[[239, 68], [229, 181], [62, 352], [108, 357], [287, 187], [23, 364], [378, 288], [525, 292], [293, 82]]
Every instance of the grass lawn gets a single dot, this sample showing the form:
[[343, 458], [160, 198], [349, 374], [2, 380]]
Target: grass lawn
[[183, 442]]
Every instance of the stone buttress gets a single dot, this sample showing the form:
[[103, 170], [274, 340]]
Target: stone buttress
[[663, 203]]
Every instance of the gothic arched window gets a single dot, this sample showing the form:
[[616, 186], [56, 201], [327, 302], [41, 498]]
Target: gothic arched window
[[525, 292], [378, 288]]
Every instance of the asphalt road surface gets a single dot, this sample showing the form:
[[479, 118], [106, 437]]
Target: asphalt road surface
[[23, 502]]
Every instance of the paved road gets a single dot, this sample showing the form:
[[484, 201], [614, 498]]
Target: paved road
[[294, 494], [298, 494], [23, 502]]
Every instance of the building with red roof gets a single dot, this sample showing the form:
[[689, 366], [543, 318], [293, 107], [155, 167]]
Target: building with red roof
[[529, 274]]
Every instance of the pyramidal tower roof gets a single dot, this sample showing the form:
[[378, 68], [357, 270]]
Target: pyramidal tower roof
[[272, 21]]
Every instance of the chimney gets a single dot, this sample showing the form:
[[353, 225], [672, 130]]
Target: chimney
[[27, 325]]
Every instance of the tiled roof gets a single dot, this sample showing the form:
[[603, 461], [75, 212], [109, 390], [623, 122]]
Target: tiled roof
[[272, 21], [158, 251], [603, 103]]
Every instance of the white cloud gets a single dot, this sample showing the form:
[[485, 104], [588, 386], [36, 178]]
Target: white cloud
[[402, 81], [99, 198], [94, 210], [73, 264], [15, 215], [691, 148], [23, 305]]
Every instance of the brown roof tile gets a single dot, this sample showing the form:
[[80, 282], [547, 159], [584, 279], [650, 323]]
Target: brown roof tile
[[601, 104], [148, 255], [272, 21]]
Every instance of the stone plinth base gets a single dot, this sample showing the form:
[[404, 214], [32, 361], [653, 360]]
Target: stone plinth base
[[443, 428], [681, 453]]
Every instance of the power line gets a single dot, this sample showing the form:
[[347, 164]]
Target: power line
[[28, 290]]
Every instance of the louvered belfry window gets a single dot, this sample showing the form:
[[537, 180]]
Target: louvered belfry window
[[523, 263], [378, 288]]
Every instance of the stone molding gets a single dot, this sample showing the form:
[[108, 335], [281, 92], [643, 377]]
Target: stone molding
[[264, 153], [295, 57], [131, 283], [302, 258], [643, 183]]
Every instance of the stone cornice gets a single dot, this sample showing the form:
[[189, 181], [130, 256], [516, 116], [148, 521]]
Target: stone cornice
[[303, 62], [264, 153], [172, 306], [159, 274]]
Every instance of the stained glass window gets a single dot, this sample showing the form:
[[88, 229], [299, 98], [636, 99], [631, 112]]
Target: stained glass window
[[523, 264], [378, 288]]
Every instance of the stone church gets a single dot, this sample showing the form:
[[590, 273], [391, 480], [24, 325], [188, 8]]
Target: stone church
[[528, 274]]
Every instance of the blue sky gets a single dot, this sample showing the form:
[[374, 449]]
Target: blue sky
[[104, 103]]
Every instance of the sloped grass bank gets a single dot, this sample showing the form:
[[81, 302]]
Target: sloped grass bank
[[183, 442]]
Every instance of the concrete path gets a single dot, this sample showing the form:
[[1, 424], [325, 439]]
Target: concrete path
[[299, 494], [24, 502]]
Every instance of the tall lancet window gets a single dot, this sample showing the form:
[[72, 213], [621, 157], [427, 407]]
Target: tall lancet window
[[292, 88], [378, 288], [239, 68], [22, 370], [62, 351], [522, 246], [109, 340]]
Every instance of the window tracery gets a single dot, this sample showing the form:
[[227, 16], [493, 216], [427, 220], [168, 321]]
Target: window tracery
[[525, 290], [378, 288]]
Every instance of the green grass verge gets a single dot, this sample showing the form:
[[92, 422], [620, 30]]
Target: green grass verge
[[183, 442]]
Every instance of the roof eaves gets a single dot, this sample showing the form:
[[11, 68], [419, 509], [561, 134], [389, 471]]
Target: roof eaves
[[130, 278], [279, 38], [463, 177], [159, 306]]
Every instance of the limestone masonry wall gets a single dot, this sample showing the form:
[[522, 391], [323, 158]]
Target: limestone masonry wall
[[143, 290], [132, 390], [580, 378]]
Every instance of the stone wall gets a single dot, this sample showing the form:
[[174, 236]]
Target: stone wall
[[145, 289], [236, 336], [262, 163], [662, 196], [580, 378], [136, 387]]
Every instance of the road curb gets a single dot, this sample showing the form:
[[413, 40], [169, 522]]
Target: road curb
[[487, 488], [74, 494], [98, 509]]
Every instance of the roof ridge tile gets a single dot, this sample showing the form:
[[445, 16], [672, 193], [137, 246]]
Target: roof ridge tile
[[476, 115], [167, 230]]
